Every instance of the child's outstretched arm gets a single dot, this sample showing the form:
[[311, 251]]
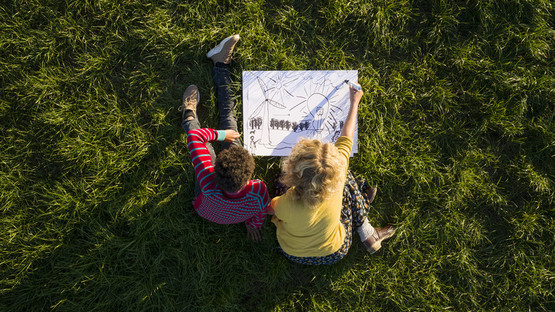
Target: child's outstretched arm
[[351, 120]]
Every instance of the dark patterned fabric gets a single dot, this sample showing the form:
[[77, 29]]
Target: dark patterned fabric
[[279, 187], [354, 210]]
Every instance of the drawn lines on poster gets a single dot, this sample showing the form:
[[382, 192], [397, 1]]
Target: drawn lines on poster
[[280, 107]]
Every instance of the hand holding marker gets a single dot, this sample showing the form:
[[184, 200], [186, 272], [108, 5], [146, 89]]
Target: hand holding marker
[[355, 85]]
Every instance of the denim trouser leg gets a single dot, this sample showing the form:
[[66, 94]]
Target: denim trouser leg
[[187, 126], [226, 104]]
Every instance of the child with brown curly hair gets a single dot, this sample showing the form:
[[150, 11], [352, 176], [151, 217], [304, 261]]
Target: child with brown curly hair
[[316, 216], [224, 191]]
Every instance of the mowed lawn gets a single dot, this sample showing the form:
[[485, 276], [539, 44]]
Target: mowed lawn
[[456, 128]]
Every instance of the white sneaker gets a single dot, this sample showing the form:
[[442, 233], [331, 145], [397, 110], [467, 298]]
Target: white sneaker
[[222, 52]]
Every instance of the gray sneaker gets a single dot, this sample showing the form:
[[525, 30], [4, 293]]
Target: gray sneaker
[[191, 98], [222, 52]]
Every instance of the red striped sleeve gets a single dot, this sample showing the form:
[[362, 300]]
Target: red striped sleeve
[[202, 162], [260, 193]]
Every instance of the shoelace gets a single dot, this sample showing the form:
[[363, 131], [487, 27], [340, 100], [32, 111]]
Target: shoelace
[[185, 103]]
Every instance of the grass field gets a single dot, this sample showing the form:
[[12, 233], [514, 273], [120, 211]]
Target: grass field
[[456, 128]]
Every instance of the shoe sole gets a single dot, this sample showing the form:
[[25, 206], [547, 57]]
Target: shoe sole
[[372, 250], [217, 49]]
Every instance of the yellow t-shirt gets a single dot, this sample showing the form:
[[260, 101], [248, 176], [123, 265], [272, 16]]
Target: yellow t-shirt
[[316, 231]]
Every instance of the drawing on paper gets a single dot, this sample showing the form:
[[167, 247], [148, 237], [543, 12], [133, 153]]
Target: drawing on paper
[[280, 107]]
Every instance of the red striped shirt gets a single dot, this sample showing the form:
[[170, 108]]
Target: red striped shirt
[[249, 205]]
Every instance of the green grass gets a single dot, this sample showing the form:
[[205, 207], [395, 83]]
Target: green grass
[[456, 128]]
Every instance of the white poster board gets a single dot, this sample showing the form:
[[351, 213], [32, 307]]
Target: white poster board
[[280, 107]]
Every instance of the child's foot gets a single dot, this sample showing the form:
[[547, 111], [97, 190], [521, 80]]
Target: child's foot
[[371, 193], [191, 97], [368, 192], [222, 52], [374, 242]]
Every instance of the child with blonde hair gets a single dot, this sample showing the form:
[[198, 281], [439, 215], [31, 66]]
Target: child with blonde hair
[[316, 215]]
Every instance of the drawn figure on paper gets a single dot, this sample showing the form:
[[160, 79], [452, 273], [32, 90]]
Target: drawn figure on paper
[[253, 143]]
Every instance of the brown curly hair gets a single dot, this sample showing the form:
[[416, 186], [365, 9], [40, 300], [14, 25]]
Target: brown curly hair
[[233, 168], [315, 169]]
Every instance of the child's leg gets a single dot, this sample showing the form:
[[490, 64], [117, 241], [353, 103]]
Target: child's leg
[[371, 237], [226, 104], [358, 204], [356, 200], [188, 124], [194, 123]]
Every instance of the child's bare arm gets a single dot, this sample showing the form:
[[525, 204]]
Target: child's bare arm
[[351, 120]]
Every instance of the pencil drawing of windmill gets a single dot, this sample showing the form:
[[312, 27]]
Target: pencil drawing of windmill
[[263, 110]]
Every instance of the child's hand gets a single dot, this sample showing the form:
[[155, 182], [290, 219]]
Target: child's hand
[[253, 234], [231, 135], [356, 95]]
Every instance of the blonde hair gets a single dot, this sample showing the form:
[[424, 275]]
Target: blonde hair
[[315, 169]]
